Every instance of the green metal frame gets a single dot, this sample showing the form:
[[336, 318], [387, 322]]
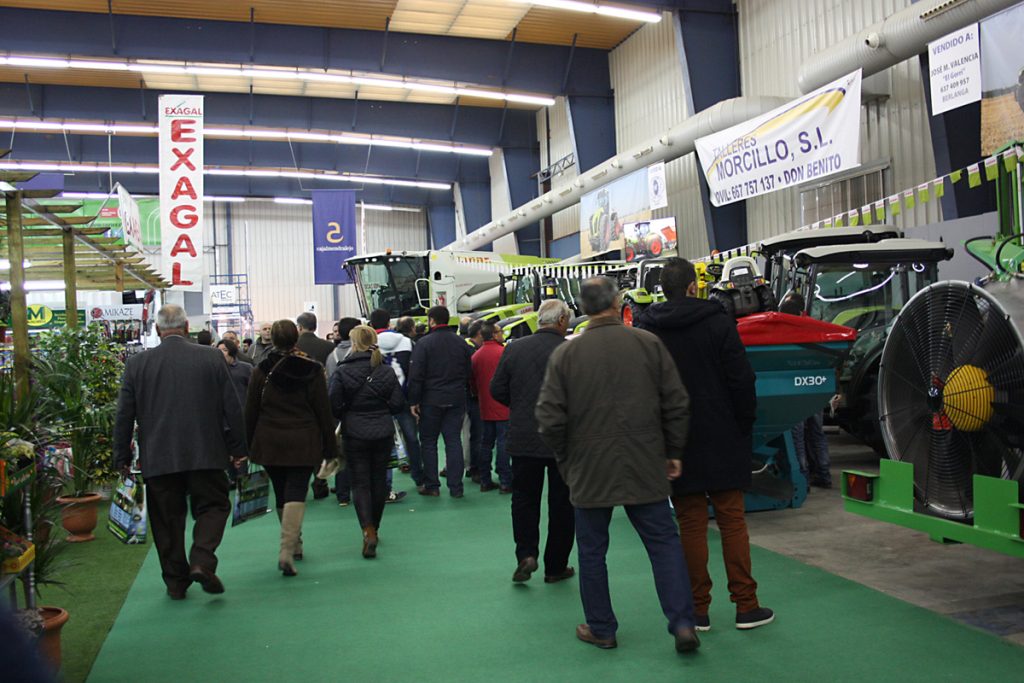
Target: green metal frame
[[997, 512]]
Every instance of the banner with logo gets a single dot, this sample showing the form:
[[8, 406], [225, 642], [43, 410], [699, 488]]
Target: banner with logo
[[181, 190], [807, 139], [334, 235], [131, 222], [604, 212], [1002, 80], [41, 317]]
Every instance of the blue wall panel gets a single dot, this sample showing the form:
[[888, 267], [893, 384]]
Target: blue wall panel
[[593, 126]]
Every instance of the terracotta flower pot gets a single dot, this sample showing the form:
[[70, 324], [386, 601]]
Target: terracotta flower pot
[[54, 619], [79, 516]]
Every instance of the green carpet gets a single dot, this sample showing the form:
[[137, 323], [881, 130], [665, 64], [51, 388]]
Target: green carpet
[[438, 605]]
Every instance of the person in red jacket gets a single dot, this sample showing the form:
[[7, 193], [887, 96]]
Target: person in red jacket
[[494, 414]]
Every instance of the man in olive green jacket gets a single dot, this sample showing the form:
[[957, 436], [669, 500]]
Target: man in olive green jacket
[[616, 414]]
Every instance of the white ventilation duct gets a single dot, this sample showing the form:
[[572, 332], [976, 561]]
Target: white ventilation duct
[[898, 37], [674, 143]]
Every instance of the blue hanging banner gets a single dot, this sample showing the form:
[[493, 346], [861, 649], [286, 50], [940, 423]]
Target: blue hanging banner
[[334, 235]]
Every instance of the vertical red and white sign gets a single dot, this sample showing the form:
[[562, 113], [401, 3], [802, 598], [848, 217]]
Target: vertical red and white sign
[[181, 190]]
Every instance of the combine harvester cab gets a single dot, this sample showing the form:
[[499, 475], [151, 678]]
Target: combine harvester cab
[[795, 359]]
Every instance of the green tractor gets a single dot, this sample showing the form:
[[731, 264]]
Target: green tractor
[[640, 285], [864, 286]]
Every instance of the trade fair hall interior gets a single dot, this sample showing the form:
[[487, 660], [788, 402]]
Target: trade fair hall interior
[[511, 340]]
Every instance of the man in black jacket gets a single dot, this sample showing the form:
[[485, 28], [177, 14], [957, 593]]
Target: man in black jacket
[[190, 420], [313, 346], [439, 374], [516, 383], [712, 363]]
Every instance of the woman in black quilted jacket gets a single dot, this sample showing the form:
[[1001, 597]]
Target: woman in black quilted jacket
[[365, 394]]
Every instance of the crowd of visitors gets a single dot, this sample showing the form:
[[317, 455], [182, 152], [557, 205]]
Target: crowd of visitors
[[665, 435]]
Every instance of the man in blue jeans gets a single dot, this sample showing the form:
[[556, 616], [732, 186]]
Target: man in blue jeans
[[439, 374], [617, 430]]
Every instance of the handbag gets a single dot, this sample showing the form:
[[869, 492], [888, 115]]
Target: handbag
[[329, 468]]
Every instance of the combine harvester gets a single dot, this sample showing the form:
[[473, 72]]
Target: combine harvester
[[410, 282]]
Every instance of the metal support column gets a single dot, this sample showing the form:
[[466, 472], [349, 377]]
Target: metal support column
[[70, 280], [19, 312]]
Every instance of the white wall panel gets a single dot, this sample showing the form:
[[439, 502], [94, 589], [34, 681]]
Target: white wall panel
[[650, 97], [273, 245], [775, 37]]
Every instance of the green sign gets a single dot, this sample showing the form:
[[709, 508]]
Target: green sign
[[149, 215], [17, 480], [42, 317]]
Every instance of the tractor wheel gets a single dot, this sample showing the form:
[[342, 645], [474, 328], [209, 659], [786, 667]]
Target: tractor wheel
[[724, 300], [631, 313], [656, 247], [766, 298], [630, 254]]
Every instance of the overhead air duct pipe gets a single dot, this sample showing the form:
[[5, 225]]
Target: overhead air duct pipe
[[674, 143], [898, 37]]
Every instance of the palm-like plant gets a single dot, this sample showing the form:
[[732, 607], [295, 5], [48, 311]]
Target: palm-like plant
[[77, 374]]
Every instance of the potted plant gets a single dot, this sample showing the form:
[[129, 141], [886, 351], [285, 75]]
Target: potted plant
[[78, 372]]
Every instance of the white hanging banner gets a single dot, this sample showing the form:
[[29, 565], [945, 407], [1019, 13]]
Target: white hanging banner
[[131, 224], [181, 190], [807, 139], [656, 187], [954, 63]]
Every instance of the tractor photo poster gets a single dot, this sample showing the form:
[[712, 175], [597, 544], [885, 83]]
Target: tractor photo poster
[[650, 239]]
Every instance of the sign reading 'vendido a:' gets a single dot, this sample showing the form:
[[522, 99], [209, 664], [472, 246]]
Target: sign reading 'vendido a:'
[[181, 189]]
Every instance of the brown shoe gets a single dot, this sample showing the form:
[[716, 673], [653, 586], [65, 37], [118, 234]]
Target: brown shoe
[[584, 634], [370, 542], [687, 640], [207, 579], [562, 576], [526, 567], [424, 491], [176, 594]]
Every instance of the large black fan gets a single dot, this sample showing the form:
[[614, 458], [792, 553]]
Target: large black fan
[[951, 391]]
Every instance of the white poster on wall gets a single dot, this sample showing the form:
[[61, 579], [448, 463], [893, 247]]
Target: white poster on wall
[[223, 295], [809, 138], [656, 187], [131, 224], [181, 190], [954, 64]]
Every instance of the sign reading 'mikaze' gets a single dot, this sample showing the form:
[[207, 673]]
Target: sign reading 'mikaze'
[[181, 190], [807, 139]]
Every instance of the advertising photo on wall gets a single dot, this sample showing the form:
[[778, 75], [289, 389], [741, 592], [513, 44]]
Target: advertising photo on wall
[[1002, 80]]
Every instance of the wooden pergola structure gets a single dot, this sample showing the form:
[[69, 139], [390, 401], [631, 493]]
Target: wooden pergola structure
[[59, 247]]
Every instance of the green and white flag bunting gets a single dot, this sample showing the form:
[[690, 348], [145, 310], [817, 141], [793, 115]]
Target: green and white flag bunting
[[894, 205], [991, 168], [925, 192], [1010, 159], [974, 175]]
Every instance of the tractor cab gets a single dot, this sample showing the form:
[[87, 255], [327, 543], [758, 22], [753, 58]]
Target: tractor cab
[[864, 286], [778, 251]]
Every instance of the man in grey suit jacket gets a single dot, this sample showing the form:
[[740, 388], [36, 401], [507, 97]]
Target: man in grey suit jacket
[[190, 422]]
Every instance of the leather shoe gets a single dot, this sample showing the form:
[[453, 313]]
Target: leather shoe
[[687, 640], [583, 633], [207, 579], [527, 566], [424, 491], [488, 486], [562, 576], [176, 594]]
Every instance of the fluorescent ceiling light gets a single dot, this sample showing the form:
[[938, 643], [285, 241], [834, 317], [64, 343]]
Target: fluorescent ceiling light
[[596, 8], [181, 68], [292, 200], [37, 285], [283, 134], [226, 199], [5, 264], [99, 167]]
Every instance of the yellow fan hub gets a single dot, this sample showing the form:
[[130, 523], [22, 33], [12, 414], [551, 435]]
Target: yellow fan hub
[[967, 398]]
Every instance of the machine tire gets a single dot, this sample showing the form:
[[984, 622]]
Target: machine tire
[[631, 313], [725, 301], [656, 247], [766, 298]]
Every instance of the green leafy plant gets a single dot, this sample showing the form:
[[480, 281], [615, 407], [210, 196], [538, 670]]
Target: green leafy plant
[[78, 372]]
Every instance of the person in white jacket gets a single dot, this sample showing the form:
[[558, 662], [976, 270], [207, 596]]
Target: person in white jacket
[[397, 350]]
